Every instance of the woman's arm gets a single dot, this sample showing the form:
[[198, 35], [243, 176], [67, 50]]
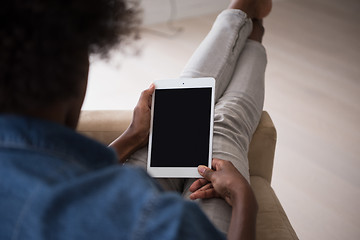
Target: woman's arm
[[137, 134]]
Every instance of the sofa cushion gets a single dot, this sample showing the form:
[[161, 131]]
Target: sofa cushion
[[272, 222], [262, 148]]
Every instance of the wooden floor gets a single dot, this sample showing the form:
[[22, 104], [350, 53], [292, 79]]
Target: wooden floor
[[312, 94]]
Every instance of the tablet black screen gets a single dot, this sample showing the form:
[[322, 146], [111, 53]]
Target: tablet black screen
[[181, 127]]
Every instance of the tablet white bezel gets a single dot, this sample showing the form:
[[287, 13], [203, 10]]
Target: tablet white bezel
[[181, 83]]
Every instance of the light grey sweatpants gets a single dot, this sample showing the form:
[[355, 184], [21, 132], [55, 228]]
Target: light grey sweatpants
[[238, 66]]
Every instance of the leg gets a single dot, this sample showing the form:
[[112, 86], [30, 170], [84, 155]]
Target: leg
[[236, 116], [218, 53], [238, 112]]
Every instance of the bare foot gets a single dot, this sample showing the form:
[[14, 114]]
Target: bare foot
[[257, 9]]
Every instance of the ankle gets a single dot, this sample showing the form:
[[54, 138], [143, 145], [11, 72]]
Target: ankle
[[258, 30]]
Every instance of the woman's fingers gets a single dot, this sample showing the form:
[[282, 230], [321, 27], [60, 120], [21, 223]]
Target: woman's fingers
[[198, 184], [206, 192]]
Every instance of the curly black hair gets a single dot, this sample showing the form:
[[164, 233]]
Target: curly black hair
[[41, 42]]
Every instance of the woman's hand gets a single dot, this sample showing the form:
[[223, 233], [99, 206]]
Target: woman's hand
[[140, 125], [137, 134], [224, 181]]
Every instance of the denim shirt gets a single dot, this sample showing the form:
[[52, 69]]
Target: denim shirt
[[57, 184]]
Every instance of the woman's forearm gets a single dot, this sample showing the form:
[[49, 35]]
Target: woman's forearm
[[126, 144], [243, 219]]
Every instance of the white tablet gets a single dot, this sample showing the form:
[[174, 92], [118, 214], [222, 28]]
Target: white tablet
[[181, 128]]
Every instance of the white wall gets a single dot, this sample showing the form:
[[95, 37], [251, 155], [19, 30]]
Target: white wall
[[156, 11]]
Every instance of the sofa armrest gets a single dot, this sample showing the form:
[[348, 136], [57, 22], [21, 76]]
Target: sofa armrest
[[104, 125], [262, 148], [271, 222]]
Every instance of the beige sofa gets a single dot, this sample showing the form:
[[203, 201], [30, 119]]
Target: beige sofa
[[272, 222]]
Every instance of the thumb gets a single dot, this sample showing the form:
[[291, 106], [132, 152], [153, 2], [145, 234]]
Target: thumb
[[151, 89], [205, 172], [146, 95]]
